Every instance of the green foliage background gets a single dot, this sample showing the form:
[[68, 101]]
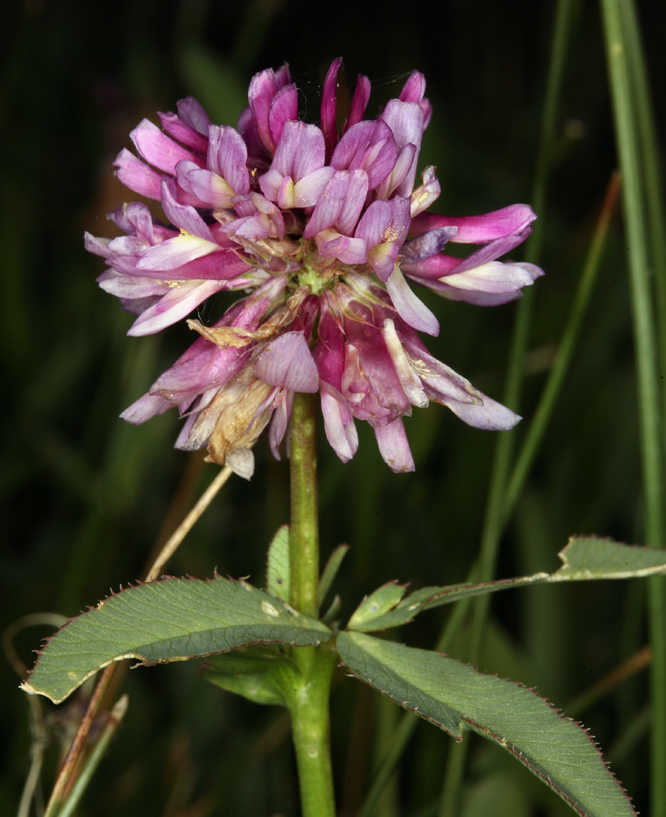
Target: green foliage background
[[87, 498]]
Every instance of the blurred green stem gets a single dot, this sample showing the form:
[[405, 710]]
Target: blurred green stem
[[620, 52], [309, 706]]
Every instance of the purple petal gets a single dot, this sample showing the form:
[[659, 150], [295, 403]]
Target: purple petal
[[406, 122], [287, 362], [394, 447], [171, 254], [369, 146], [176, 304], [98, 246], [384, 221], [426, 245], [261, 92], [359, 101], [248, 130], [403, 170], [283, 108], [136, 217], [208, 187], [160, 151], [414, 89], [468, 296], [433, 268], [136, 175], [227, 157], [493, 250], [478, 229], [331, 244], [412, 310], [301, 150], [282, 76], [192, 113], [340, 204], [383, 227], [183, 216], [184, 133], [308, 189], [279, 422], [329, 106], [131, 286]]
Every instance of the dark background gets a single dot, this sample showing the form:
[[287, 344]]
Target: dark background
[[85, 496]]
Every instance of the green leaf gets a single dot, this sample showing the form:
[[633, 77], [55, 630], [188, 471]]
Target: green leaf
[[163, 621], [278, 573], [330, 572], [583, 559], [260, 674], [377, 604], [456, 697]]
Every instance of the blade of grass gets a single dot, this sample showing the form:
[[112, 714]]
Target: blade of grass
[[619, 51], [647, 134], [494, 516], [560, 367]]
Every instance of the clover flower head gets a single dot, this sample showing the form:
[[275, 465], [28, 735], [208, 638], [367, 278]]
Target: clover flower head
[[321, 229]]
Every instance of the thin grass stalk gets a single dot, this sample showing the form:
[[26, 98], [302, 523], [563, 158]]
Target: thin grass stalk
[[494, 516], [652, 178], [543, 413], [620, 57]]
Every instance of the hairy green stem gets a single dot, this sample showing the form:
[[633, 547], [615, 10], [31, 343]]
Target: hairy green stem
[[309, 704], [304, 529]]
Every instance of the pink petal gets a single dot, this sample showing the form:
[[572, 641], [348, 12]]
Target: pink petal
[[359, 101], [192, 113], [328, 106], [279, 422], [184, 133], [183, 216], [176, 304], [478, 229], [136, 175], [175, 252], [227, 157], [406, 122], [394, 447], [338, 424], [301, 150], [490, 416], [309, 188], [287, 362], [410, 308], [150, 405], [340, 204], [160, 151], [283, 108], [261, 92], [492, 277]]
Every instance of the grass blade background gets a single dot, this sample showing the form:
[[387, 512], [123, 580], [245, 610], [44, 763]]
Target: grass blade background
[[620, 58]]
